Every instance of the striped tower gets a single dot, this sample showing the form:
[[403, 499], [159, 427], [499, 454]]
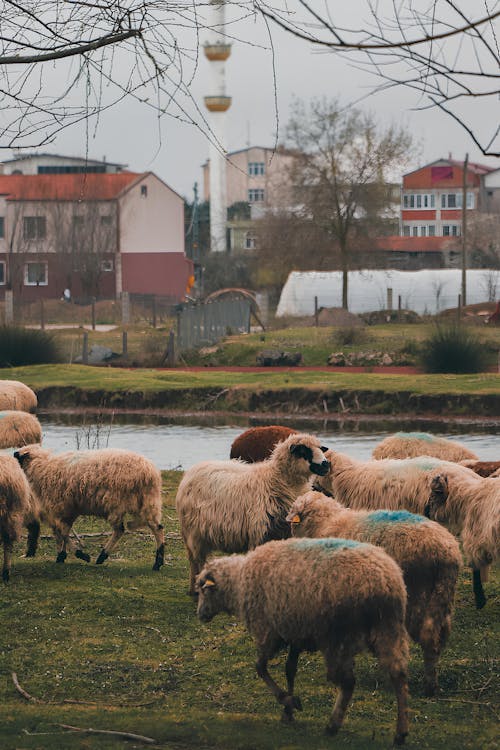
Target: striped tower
[[217, 51]]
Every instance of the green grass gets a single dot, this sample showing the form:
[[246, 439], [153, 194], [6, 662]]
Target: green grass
[[125, 645], [148, 380]]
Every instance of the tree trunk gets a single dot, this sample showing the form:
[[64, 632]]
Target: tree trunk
[[345, 275]]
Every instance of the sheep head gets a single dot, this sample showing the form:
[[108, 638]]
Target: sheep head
[[216, 587], [438, 495], [25, 454], [310, 511], [306, 448]]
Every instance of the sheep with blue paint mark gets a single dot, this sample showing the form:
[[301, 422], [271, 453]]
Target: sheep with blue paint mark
[[411, 444], [428, 555], [336, 596]]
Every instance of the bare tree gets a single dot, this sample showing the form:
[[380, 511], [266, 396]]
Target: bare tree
[[341, 173], [63, 63]]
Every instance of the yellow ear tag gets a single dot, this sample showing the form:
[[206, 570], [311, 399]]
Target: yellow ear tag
[[209, 582], [296, 518]]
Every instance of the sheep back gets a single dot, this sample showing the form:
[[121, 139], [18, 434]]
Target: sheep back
[[17, 396], [15, 498], [19, 428], [411, 444], [257, 443], [483, 468]]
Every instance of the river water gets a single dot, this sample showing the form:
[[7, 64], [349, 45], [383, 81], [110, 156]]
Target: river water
[[180, 443]]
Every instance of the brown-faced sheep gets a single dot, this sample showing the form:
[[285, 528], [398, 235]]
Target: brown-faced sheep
[[19, 428], [428, 555], [15, 507], [469, 505], [411, 444], [336, 596], [232, 506], [105, 483], [257, 443], [17, 396], [483, 468]]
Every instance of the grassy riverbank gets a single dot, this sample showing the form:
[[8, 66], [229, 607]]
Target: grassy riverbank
[[117, 647], [291, 391]]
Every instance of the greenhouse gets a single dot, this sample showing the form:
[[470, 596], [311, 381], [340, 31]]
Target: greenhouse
[[427, 292]]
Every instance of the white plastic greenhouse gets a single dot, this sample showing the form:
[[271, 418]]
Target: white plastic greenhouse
[[425, 292]]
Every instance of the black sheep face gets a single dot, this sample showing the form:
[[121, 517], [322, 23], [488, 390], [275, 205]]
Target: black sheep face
[[320, 466], [22, 456]]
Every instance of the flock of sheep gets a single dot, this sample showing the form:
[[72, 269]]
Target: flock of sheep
[[327, 553]]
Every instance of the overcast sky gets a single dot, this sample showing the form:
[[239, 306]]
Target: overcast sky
[[130, 134]]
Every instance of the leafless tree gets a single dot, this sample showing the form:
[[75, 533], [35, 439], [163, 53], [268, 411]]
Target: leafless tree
[[66, 62]]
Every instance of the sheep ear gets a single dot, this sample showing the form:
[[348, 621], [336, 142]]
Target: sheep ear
[[298, 450], [209, 582], [296, 519]]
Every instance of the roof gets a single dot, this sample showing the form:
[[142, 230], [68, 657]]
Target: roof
[[66, 187], [395, 243], [478, 169], [86, 159]]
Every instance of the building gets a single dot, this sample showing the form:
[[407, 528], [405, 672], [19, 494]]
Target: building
[[57, 164], [97, 234], [255, 175], [432, 211]]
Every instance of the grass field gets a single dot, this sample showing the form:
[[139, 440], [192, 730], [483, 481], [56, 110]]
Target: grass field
[[118, 647]]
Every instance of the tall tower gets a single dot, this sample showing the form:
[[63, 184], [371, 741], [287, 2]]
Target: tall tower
[[217, 51]]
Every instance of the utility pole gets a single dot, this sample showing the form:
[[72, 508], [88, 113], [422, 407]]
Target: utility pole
[[464, 231]]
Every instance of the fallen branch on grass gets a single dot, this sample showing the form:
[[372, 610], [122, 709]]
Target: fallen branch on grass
[[123, 735], [21, 691]]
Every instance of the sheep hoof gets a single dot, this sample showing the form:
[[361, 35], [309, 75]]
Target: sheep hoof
[[480, 601], [399, 739], [297, 703], [30, 552], [82, 555], [61, 557], [159, 560], [103, 555], [5, 576]]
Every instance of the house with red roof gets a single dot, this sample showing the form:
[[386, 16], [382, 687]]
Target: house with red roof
[[97, 233], [432, 211]]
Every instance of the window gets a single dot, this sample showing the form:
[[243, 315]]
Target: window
[[451, 230], [78, 223], [107, 265], [250, 240], [35, 274], [423, 231], [34, 228], [454, 200], [2, 272], [255, 167], [419, 200], [414, 231], [406, 230], [255, 195], [2, 226], [432, 230], [106, 220], [144, 191]]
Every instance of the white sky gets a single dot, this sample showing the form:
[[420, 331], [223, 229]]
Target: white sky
[[129, 133]]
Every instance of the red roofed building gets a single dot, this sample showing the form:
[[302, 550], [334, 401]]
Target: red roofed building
[[97, 234]]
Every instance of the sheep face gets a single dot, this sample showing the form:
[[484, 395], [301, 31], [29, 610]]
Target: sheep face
[[437, 497], [210, 597], [309, 512], [313, 455]]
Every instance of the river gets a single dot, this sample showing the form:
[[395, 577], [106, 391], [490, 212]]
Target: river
[[179, 443]]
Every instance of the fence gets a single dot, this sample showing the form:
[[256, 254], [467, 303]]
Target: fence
[[203, 324]]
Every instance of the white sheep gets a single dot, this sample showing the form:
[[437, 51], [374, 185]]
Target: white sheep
[[471, 506], [15, 507], [105, 483], [19, 428], [428, 555], [232, 506], [336, 596], [17, 396], [411, 444]]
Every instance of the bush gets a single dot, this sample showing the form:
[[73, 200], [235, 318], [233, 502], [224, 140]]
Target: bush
[[24, 346], [349, 336], [453, 348]]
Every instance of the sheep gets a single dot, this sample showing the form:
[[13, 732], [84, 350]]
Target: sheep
[[470, 504], [257, 443], [232, 506], [106, 483], [428, 555], [410, 444], [15, 507], [483, 468], [19, 428], [336, 596], [17, 396]]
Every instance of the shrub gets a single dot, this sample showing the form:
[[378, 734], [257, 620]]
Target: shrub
[[453, 348], [25, 346], [349, 336]]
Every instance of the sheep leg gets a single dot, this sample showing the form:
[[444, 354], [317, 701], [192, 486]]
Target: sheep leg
[[61, 531], [477, 586], [7, 553], [265, 652], [33, 528], [195, 566], [341, 674], [159, 535], [391, 650], [118, 532], [291, 671]]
